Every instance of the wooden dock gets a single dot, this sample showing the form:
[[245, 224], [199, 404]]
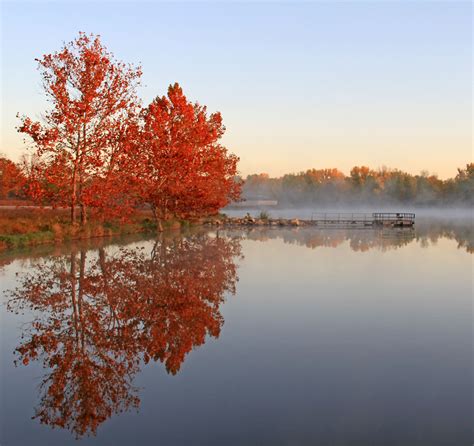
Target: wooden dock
[[375, 219]]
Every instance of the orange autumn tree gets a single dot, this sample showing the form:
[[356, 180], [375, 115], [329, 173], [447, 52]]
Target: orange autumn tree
[[12, 179], [82, 138], [183, 171]]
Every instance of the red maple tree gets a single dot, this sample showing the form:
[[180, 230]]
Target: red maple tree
[[12, 179], [82, 138], [182, 169]]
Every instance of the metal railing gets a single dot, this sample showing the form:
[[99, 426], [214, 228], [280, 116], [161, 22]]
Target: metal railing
[[355, 218], [343, 217], [393, 216]]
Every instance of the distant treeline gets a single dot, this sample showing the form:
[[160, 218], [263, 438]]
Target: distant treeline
[[362, 186], [323, 187]]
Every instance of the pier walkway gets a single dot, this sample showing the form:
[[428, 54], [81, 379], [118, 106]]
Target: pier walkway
[[375, 219]]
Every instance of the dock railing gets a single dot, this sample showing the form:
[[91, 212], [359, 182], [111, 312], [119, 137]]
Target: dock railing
[[341, 217], [366, 219], [393, 216]]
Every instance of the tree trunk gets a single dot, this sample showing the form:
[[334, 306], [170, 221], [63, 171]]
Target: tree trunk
[[159, 224], [81, 176], [73, 212], [83, 214], [74, 196]]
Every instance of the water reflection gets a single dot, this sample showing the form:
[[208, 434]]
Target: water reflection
[[97, 315], [426, 232], [361, 240], [460, 230]]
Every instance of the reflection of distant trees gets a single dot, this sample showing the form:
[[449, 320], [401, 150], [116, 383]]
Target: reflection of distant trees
[[359, 240], [460, 230], [97, 318], [365, 239]]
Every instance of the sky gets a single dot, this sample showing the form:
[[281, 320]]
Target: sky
[[300, 85]]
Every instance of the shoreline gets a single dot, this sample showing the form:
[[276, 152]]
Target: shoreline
[[21, 228]]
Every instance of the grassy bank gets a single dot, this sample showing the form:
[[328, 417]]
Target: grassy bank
[[21, 227]]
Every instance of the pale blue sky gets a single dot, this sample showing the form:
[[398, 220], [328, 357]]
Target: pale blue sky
[[300, 85]]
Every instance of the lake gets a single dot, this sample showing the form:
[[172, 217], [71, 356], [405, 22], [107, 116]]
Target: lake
[[268, 336]]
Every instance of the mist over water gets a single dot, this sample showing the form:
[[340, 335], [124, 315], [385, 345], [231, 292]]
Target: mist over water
[[431, 224]]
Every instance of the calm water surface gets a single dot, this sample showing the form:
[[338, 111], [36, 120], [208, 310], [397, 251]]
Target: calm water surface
[[261, 337]]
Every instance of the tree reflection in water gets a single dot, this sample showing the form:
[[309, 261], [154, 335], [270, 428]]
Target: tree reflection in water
[[361, 240], [97, 318]]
